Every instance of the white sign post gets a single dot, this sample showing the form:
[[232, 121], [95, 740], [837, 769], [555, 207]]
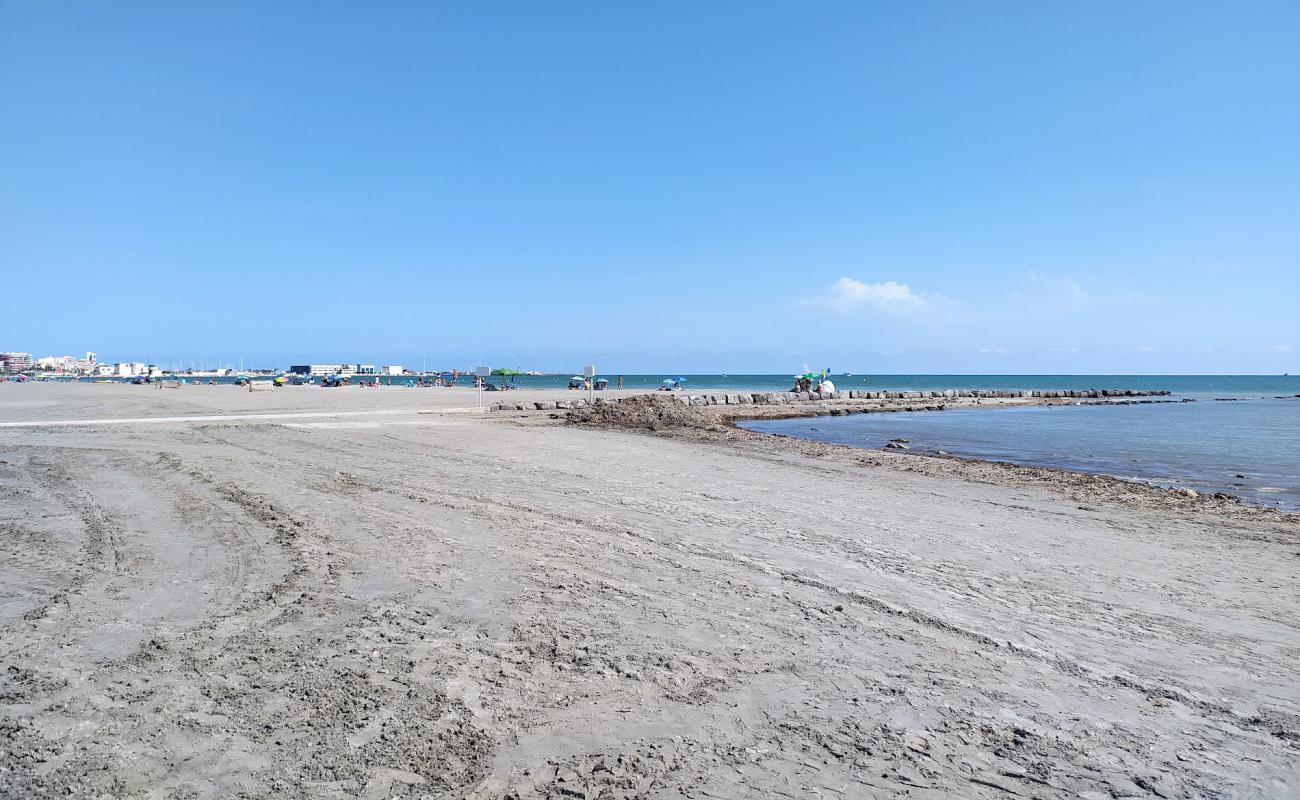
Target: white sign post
[[589, 372], [481, 374]]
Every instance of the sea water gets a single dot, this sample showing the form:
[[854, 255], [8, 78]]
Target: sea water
[[1246, 447]]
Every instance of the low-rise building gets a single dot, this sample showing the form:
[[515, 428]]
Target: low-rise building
[[332, 369], [394, 369], [322, 369]]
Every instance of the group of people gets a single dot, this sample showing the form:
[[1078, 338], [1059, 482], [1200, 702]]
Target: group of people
[[806, 383]]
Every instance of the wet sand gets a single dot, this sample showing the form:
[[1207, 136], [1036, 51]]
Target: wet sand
[[388, 603]]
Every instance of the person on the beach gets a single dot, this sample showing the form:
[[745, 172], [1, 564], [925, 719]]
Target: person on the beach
[[620, 382]]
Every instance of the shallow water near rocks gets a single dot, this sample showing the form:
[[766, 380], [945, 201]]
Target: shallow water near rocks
[[1247, 448]]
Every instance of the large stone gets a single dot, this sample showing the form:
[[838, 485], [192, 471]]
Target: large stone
[[544, 405]]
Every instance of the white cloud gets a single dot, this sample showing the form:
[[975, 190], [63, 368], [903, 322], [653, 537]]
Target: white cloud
[[846, 294]]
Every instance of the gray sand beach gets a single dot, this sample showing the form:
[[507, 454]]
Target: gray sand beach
[[309, 593]]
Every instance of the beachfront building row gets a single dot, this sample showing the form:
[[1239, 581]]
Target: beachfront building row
[[68, 365], [332, 369]]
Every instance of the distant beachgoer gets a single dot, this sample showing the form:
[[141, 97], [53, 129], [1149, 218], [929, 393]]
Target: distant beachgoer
[[620, 382]]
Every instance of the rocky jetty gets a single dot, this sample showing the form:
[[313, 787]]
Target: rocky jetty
[[799, 398]]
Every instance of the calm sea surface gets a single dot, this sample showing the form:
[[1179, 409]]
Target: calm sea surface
[[1249, 447]]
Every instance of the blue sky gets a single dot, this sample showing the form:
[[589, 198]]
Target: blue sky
[[877, 187]]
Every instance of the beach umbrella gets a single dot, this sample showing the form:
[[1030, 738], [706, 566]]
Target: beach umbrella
[[668, 381], [679, 379]]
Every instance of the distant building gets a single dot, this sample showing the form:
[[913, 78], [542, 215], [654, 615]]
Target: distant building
[[59, 363], [331, 369], [15, 362], [130, 369], [394, 369], [321, 369]]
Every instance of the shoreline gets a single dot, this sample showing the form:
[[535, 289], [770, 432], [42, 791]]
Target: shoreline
[[717, 424]]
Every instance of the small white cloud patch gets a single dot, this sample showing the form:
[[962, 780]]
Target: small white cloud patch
[[847, 293]]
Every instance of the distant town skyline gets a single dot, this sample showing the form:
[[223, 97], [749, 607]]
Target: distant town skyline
[[132, 366], [721, 187]]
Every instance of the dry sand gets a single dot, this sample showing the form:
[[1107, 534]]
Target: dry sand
[[454, 604]]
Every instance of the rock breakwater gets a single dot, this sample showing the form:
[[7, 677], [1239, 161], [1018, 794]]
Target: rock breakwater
[[815, 402]]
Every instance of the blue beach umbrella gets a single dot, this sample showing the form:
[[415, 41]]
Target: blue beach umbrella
[[679, 379]]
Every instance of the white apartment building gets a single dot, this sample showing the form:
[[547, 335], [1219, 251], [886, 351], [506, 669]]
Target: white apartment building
[[330, 369]]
